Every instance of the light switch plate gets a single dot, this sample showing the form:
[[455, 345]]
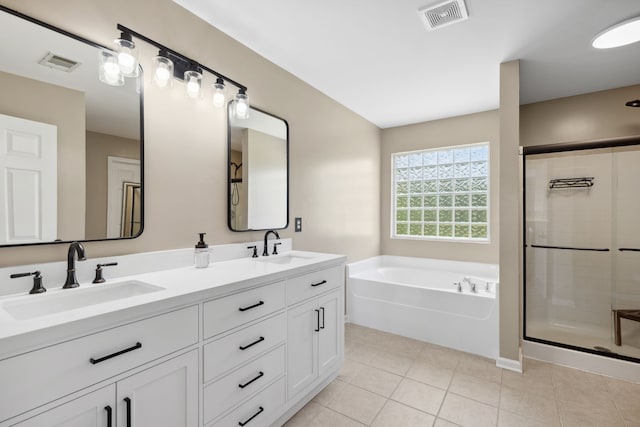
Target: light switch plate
[[298, 224]]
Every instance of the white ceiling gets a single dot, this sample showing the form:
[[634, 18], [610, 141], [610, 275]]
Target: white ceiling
[[377, 58]]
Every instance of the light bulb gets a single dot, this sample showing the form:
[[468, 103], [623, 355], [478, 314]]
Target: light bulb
[[162, 70], [193, 81], [109, 70], [241, 107], [218, 93], [162, 76], [127, 55]]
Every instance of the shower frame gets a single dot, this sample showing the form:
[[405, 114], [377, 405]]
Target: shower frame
[[557, 148]]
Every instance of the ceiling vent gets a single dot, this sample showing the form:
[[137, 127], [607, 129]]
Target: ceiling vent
[[58, 62], [443, 14]]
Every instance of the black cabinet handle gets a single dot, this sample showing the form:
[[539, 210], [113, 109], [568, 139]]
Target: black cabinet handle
[[629, 249], [127, 402], [117, 353], [244, 347], [240, 423], [317, 329], [319, 283], [109, 416], [251, 306], [322, 308], [260, 375]]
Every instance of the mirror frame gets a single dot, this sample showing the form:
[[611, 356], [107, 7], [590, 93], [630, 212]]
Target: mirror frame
[[229, 177], [141, 91]]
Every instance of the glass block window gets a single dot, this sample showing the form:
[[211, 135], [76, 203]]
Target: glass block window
[[442, 193]]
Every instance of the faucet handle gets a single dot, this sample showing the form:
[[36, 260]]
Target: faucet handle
[[37, 281], [255, 251], [459, 285], [275, 248], [99, 278]]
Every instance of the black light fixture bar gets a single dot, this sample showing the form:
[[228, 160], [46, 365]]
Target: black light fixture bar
[[183, 62]]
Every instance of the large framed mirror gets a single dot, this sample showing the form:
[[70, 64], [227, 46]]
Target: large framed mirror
[[71, 147], [258, 172]]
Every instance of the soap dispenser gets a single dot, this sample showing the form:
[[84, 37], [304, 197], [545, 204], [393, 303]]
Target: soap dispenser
[[201, 254]]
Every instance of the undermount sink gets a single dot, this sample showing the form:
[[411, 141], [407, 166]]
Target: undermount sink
[[68, 299], [285, 258]]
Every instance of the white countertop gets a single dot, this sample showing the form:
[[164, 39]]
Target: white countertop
[[181, 287]]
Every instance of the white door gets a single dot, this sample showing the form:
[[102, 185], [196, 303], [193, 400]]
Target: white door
[[329, 338], [164, 395], [28, 181], [302, 344], [120, 170], [95, 409]]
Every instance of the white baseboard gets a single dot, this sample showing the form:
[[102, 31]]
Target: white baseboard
[[510, 364]]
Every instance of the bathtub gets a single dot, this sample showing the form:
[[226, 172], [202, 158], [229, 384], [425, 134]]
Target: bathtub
[[417, 298]]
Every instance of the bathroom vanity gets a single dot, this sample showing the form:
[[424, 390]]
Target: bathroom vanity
[[244, 342]]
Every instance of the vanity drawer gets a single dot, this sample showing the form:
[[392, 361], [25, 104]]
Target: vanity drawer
[[226, 313], [242, 383], [35, 378], [224, 354], [309, 285], [262, 409]]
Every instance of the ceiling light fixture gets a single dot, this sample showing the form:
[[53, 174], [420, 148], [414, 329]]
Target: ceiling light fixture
[[621, 34], [167, 65]]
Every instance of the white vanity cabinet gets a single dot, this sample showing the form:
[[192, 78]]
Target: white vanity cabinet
[[165, 394], [315, 329]]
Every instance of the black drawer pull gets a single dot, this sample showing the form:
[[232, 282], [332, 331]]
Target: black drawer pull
[[117, 353], [319, 283], [127, 401], [251, 306], [109, 416], [322, 308], [260, 375], [317, 329], [244, 347], [240, 423]]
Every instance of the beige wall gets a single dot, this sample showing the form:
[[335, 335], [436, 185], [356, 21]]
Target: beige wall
[[99, 148], [480, 127], [596, 115], [510, 212], [335, 154], [38, 101]]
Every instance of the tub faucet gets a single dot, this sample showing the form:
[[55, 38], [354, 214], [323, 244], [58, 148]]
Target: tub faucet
[[265, 251], [459, 285], [74, 248], [472, 285]]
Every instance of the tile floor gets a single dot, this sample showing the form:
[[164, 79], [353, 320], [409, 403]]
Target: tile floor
[[391, 381]]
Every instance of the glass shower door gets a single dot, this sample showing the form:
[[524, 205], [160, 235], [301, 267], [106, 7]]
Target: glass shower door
[[626, 253]]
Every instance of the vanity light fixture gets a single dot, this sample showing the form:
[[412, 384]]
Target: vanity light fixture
[[109, 69], [127, 55], [193, 83], [162, 70], [167, 65], [621, 34], [241, 105], [218, 93]]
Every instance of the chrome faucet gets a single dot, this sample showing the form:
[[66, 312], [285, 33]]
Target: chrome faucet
[[74, 248], [459, 285], [265, 251], [472, 285]]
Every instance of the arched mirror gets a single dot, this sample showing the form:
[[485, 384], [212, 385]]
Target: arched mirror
[[71, 147], [258, 173]]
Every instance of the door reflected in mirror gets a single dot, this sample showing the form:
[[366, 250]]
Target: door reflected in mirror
[[59, 126], [258, 174]]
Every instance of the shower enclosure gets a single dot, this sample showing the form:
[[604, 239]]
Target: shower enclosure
[[582, 247]]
